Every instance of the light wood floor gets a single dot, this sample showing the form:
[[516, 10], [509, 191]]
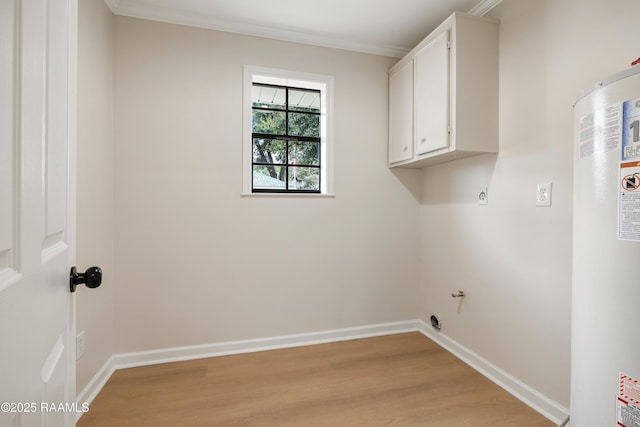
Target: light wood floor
[[400, 380]]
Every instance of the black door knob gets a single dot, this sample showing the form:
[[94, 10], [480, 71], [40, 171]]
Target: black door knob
[[91, 278]]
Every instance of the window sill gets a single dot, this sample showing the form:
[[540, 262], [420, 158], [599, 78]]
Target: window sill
[[290, 195]]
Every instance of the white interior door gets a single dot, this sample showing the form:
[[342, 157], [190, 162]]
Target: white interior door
[[37, 221]]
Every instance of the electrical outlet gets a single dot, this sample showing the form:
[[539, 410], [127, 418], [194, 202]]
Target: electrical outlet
[[543, 194], [79, 345], [483, 196]]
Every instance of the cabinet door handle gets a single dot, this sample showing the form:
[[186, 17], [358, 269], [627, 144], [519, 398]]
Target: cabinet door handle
[[405, 148], [423, 140]]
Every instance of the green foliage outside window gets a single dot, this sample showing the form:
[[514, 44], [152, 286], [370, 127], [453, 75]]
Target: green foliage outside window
[[286, 140]]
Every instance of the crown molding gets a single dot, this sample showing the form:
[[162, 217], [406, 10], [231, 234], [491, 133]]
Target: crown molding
[[484, 7], [135, 9], [112, 5]]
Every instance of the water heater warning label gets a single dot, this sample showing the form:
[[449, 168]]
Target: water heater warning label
[[629, 201], [631, 129], [601, 131], [628, 403], [627, 415], [630, 389]]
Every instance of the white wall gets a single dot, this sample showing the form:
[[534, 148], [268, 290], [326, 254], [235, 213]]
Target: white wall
[[198, 263], [95, 184], [512, 258]]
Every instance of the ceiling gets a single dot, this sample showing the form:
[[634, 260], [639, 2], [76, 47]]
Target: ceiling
[[384, 27]]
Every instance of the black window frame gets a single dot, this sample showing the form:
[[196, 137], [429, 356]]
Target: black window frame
[[287, 138]]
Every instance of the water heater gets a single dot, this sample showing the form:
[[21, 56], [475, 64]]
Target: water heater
[[605, 347]]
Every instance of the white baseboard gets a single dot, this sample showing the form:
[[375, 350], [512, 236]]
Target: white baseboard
[[176, 354], [528, 395], [533, 398], [91, 390]]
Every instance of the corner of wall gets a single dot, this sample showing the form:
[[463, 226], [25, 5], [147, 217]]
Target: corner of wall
[[533, 398], [95, 184]]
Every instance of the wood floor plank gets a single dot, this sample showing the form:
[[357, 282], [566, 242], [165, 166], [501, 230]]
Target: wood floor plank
[[395, 380]]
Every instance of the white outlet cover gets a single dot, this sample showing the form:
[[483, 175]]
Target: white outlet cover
[[543, 194], [483, 196]]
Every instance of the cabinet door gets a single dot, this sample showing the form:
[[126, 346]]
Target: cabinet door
[[432, 95], [401, 114]]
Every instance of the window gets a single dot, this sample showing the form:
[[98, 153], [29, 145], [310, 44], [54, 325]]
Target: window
[[287, 133], [286, 138]]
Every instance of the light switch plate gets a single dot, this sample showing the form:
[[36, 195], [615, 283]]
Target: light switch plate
[[543, 194]]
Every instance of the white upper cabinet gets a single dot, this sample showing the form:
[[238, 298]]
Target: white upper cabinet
[[401, 114], [443, 95], [431, 65]]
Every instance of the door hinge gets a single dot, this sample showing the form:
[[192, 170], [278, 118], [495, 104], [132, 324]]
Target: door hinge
[[448, 44]]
